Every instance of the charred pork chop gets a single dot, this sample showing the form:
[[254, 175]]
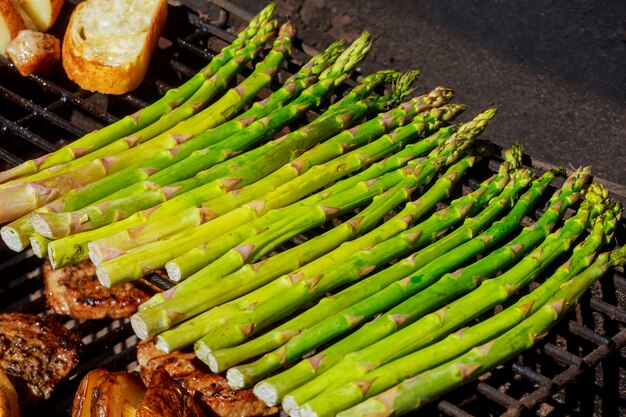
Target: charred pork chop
[[75, 291], [36, 353], [213, 389]]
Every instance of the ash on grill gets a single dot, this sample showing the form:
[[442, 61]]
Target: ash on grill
[[572, 372]]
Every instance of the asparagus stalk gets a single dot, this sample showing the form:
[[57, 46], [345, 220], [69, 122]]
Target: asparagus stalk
[[275, 388], [309, 289], [146, 257], [378, 255], [144, 117], [439, 323], [185, 206], [193, 329], [56, 225], [331, 401], [17, 232], [308, 136], [220, 178], [192, 261], [208, 296], [188, 214], [309, 252], [224, 359], [427, 386], [266, 126], [29, 196]]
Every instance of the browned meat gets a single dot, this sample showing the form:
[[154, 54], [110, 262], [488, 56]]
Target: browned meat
[[108, 394], [75, 291], [215, 393], [33, 51], [165, 398], [36, 353]]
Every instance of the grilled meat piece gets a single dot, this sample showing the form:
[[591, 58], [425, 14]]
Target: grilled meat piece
[[213, 389], [165, 398], [36, 353], [75, 291]]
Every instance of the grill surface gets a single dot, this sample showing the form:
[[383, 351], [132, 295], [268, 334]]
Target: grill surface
[[571, 372]]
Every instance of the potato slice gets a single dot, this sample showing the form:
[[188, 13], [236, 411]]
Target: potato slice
[[42, 12], [110, 394], [11, 22]]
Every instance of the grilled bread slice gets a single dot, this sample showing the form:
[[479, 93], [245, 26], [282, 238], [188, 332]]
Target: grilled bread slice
[[108, 43]]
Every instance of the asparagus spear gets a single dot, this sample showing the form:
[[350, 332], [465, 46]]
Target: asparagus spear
[[157, 254], [144, 117], [179, 304], [275, 388], [69, 249], [29, 196], [309, 252], [265, 312], [56, 225], [425, 387], [193, 329], [289, 261], [368, 259], [15, 234], [266, 126], [439, 323], [331, 401], [192, 261]]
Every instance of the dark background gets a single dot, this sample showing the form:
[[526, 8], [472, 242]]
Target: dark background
[[555, 69]]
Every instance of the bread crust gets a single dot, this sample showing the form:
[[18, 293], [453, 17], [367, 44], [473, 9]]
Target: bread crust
[[13, 20], [95, 76]]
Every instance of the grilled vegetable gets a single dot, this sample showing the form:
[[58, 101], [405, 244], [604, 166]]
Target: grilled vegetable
[[427, 386]]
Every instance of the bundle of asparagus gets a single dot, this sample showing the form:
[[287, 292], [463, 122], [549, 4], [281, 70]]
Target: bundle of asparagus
[[196, 186]]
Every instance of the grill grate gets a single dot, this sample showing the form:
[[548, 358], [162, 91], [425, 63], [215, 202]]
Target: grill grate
[[571, 372]]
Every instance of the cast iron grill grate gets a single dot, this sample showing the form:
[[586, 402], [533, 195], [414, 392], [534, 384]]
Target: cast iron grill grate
[[577, 370]]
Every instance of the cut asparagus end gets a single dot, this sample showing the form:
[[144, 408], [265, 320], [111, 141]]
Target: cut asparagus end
[[43, 224], [236, 379], [162, 344], [39, 244], [13, 239], [266, 393], [290, 405], [173, 271], [139, 327], [103, 276], [202, 350]]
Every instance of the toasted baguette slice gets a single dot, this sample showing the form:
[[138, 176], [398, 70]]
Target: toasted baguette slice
[[42, 12], [12, 20], [108, 43]]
